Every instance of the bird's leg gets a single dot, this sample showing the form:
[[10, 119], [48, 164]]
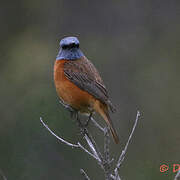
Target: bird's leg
[[73, 113], [78, 120], [81, 126], [88, 120]]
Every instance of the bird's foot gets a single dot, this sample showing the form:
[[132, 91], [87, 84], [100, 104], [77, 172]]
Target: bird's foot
[[82, 127], [83, 131]]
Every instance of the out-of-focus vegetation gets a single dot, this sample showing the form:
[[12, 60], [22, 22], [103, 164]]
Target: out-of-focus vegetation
[[136, 47]]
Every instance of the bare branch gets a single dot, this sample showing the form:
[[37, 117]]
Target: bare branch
[[93, 148], [84, 174], [117, 177], [112, 177], [97, 125], [59, 138], [78, 145], [106, 144], [121, 158], [85, 150], [106, 153], [177, 177], [103, 161]]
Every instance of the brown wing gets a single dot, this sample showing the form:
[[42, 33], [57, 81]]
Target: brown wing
[[84, 75]]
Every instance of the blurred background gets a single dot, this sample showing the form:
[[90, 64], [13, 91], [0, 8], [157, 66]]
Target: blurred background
[[134, 44]]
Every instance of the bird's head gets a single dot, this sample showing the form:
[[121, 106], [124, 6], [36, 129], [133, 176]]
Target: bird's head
[[69, 42], [69, 49]]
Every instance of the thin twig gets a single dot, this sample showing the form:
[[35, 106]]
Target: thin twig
[[106, 153], [106, 144], [78, 145], [85, 150], [177, 177], [84, 174], [104, 162], [95, 147], [97, 125], [116, 177], [112, 177], [122, 156], [59, 138]]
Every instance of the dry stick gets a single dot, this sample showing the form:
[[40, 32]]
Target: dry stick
[[107, 161], [97, 125], [115, 178], [121, 158], [177, 177], [84, 174], [96, 147], [90, 141], [106, 144], [104, 161], [96, 154], [78, 145], [106, 153], [95, 150]]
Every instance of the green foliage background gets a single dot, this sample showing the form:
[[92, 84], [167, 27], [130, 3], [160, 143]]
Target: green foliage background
[[136, 47]]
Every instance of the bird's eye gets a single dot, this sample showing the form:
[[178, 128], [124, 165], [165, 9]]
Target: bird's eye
[[69, 46], [73, 45], [64, 46]]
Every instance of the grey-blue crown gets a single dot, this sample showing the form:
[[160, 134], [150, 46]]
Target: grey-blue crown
[[69, 42], [69, 49]]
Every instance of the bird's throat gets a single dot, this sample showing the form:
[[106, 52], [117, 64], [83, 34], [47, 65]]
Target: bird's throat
[[69, 54]]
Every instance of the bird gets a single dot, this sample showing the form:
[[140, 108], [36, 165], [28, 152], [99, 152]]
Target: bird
[[79, 85]]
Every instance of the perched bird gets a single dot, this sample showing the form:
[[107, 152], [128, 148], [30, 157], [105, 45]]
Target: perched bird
[[78, 83]]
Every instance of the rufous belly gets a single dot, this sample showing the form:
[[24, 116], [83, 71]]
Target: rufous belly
[[69, 92]]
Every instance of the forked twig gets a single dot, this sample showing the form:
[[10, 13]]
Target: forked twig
[[103, 160], [78, 145], [122, 156]]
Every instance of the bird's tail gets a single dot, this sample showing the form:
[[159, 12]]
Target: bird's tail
[[112, 129], [103, 111]]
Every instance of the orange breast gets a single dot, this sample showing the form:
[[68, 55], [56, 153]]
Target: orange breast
[[69, 92]]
